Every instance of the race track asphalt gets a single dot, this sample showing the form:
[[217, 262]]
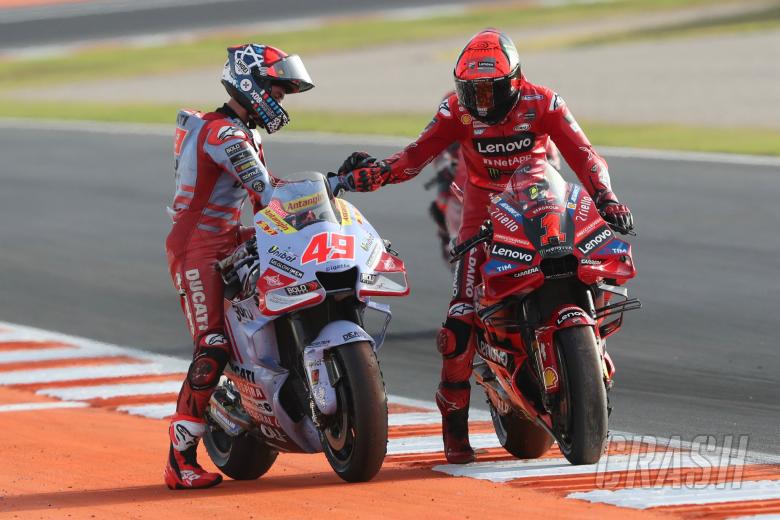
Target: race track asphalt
[[105, 19], [81, 252]]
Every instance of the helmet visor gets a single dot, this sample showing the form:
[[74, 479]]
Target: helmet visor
[[291, 73], [483, 95]]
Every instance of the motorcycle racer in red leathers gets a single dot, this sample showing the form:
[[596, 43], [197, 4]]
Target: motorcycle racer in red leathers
[[503, 123], [218, 161], [449, 179]]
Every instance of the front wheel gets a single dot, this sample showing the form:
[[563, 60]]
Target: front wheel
[[240, 458], [519, 436], [354, 439], [580, 417]]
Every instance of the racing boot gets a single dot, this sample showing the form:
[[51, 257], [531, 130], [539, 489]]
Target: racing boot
[[183, 470], [453, 402]]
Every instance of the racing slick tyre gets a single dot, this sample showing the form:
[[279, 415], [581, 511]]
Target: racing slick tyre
[[580, 417], [519, 436], [241, 458], [354, 439]]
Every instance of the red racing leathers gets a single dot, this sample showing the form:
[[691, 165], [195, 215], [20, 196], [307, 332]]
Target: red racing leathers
[[491, 154], [218, 161]]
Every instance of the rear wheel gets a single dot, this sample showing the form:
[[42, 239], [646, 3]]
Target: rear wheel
[[519, 436], [240, 458], [355, 437], [580, 418]]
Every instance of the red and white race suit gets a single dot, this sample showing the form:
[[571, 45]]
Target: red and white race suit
[[218, 162], [491, 155]]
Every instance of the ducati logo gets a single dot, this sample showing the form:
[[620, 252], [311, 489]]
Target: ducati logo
[[273, 280]]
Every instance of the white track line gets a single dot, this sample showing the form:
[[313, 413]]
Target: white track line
[[413, 418], [24, 333], [643, 498], [370, 140], [151, 411], [420, 418], [433, 443], [503, 471], [73, 373], [49, 354], [82, 393], [27, 407]]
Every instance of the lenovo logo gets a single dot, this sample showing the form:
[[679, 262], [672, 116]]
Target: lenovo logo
[[506, 145]]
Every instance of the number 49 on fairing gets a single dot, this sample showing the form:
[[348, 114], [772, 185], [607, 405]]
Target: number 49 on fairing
[[324, 247]]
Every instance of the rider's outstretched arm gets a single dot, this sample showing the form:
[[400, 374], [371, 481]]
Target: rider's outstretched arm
[[444, 129]]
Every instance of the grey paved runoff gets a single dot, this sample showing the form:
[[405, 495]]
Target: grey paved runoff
[[81, 251]]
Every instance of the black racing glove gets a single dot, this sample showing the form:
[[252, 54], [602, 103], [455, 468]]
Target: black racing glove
[[362, 172], [356, 160]]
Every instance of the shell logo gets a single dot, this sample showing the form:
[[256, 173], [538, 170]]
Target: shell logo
[[550, 377]]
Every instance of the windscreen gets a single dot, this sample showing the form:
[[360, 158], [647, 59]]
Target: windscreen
[[302, 199], [536, 184]]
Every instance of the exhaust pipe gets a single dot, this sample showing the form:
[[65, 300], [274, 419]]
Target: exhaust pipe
[[224, 412]]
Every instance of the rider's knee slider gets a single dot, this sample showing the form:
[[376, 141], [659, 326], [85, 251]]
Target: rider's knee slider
[[211, 356], [453, 337]]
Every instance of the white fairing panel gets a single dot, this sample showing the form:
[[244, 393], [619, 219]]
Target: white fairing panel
[[334, 334], [291, 251]]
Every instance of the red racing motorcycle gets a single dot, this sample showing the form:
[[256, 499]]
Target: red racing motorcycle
[[545, 308]]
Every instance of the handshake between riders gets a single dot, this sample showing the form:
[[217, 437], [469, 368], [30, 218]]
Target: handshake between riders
[[502, 122]]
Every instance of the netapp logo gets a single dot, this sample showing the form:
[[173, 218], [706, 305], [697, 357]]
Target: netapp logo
[[506, 145], [594, 240]]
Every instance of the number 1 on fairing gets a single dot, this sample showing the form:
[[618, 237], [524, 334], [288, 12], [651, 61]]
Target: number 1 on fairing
[[551, 223]]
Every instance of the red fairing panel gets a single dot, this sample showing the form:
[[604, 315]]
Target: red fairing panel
[[564, 317]]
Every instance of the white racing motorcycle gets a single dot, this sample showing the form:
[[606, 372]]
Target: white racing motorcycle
[[303, 375]]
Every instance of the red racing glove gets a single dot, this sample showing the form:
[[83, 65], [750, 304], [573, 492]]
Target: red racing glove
[[615, 213], [362, 172]]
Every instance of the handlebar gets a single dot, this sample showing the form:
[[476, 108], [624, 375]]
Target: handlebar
[[621, 229], [485, 233], [248, 250]]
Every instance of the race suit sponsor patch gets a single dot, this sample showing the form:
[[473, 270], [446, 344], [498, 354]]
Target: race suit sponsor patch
[[556, 102], [242, 155], [505, 145], [444, 109], [248, 175], [234, 149], [251, 163], [230, 132]]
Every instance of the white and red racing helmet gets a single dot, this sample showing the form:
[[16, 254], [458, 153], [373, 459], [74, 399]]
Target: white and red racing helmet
[[249, 72]]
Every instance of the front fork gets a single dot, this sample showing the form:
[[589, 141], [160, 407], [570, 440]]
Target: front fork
[[542, 344]]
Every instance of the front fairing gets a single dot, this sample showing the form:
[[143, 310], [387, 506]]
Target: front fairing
[[305, 234], [545, 228]]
